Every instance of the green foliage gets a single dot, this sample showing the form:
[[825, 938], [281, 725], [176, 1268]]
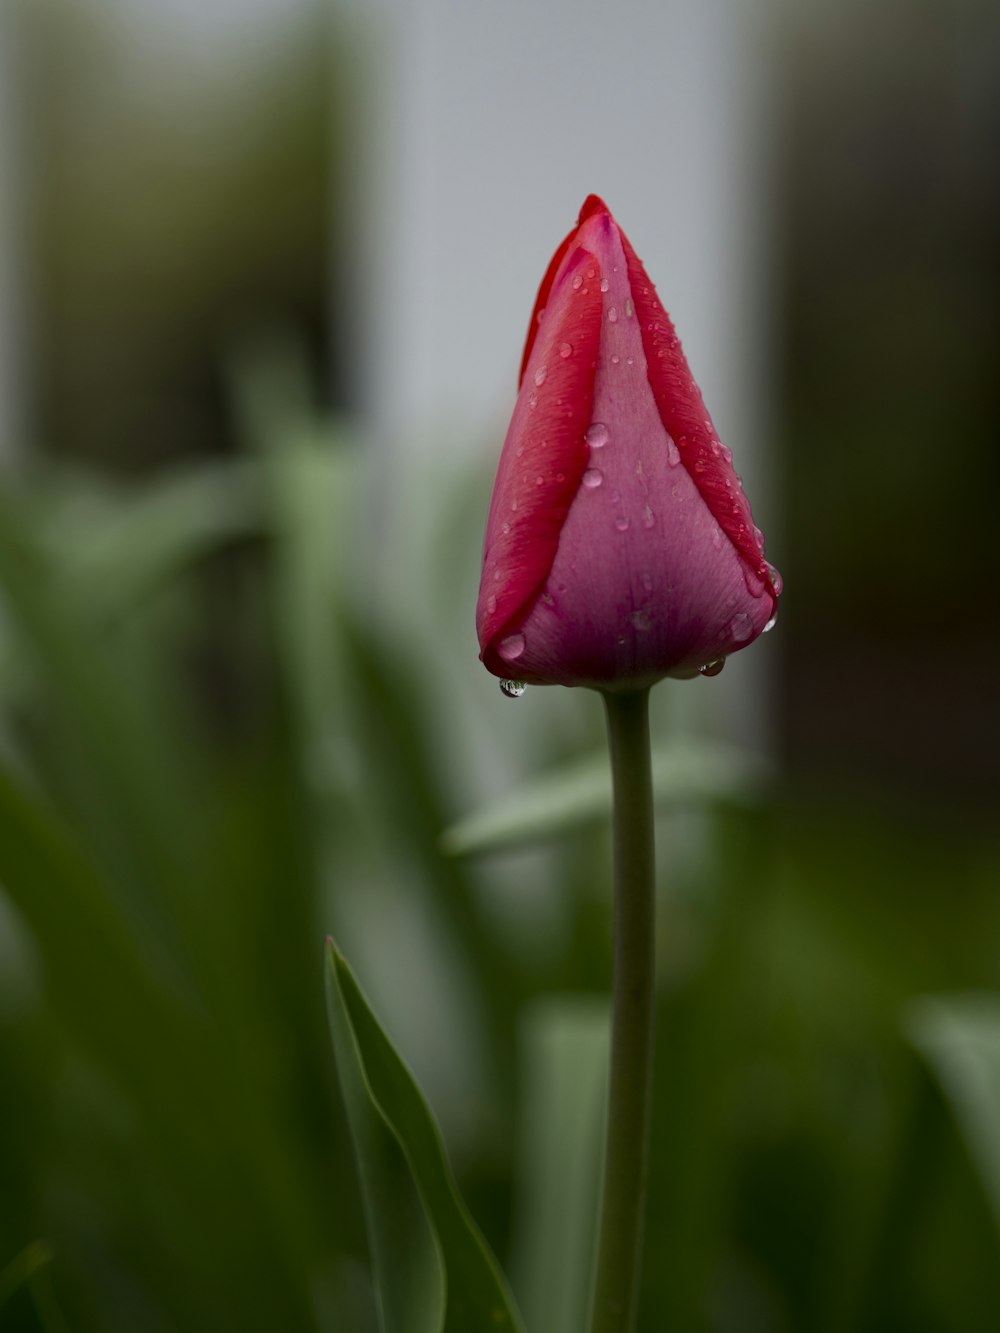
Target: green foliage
[[240, 706], [434, 1271]]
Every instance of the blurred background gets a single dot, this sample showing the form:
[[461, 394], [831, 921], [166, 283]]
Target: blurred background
[[265, 270]]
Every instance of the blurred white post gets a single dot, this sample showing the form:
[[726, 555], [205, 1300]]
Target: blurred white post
[[492, 124]]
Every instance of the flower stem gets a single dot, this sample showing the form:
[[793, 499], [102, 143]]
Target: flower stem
[[627, 1138]]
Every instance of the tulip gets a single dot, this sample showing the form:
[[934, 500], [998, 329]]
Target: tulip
[[620, 547]]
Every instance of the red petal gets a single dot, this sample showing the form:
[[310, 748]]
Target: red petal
[[592, 204], [685, 417], [550, 438]]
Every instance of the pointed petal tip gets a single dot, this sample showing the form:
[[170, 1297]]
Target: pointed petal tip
[[591, 205]]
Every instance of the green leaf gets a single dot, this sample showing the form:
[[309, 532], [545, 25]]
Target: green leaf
[[564, 1066], [959, 1036], [26, 1301], [580, 793], [434, 1272]]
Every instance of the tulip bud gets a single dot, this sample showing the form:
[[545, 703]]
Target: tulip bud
[[619, 547]]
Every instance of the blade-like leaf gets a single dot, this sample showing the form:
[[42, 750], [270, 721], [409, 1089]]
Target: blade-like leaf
[[420, 1230], [580, 793], [959, 1036], [564, 1065]]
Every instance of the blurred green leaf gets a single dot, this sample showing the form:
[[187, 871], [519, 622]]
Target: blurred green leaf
[[26, 1302], [580, 793], [117, 554], [433, 1268], [959, 1036], [564, 1064]]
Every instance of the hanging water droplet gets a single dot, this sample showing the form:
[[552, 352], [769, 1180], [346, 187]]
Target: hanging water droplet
[[597, 435], [541, 374], [621, 523], [565, 350], [777, 582], [770, 624], [511, 648], [741, 627], [673, 453], [605, 284], [612, 316], [592, 478], [628, 308], [513, 689], [758, 537], [712, 668], [577, 282]]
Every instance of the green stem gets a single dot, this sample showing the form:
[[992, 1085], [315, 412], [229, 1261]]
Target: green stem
[[627, 1140]]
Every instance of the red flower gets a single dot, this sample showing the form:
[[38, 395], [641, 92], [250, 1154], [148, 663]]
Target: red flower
[[619, 547]]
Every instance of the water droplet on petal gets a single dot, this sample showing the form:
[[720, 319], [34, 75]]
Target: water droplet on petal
[[628, 308], [505, 528], [511, 648], [541, 374], [539, 481], [612, 316], [533, 401], [740, 627], [513, 689], [597, 435], [699, 466], [716, 536], [577, 282], [592, 478], [648, 517], [605, 284], [621, 523], [712, 668], [727, 453], [758, 537], [615, 360], [590, 272], [777, 582], [565, 350], [673, 453], [491, 604], [640, 621], [630, 361], [541, 314], [770, 624]]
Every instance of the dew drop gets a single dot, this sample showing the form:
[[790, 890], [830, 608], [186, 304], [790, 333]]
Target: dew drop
[[621, 523], [505, 528], [640, 621], [758, 537], [541, 374], [560, 476], [512, 689], [533, 401], [612, 316], [491, 604], [511, 648], [628, 308], [727, 453], [590, 272], [699, 466], [597, 435], [539, 481], [605, 284], [592, 478], [673, 453], [712, 668], [577, 282], [629, 361], [777, 582], [565, 350], [615, 360], [648, 517], [541, 315], [770, 624], [740, 627]]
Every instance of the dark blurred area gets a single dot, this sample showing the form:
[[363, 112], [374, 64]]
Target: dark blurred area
[[216, 746]]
